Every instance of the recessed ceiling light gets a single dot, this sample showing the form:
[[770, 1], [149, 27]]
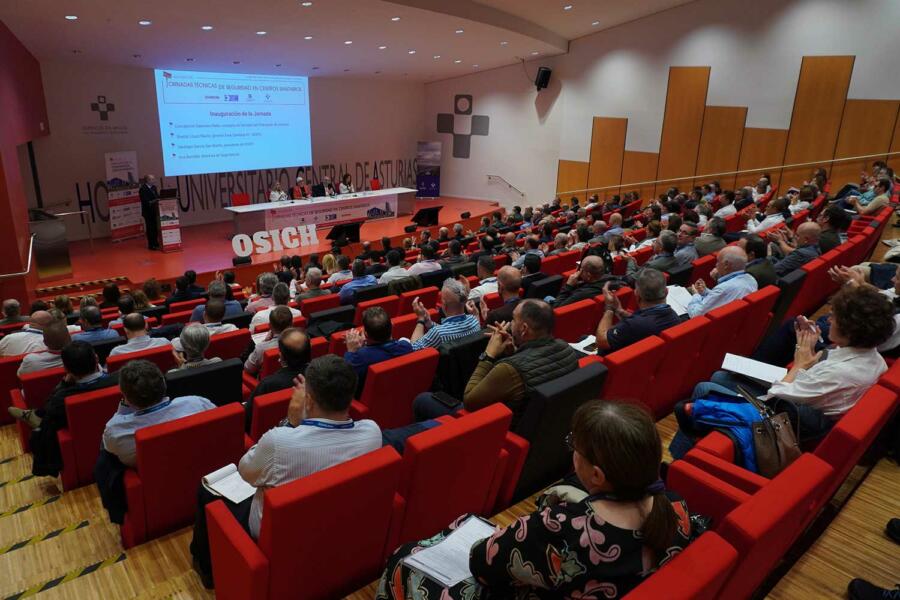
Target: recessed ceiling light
[[595, 23], [378, 72], [207, 27], [278, 64], [235, 62], [503, 43], [535, 53], [474, 66], [348, 42], [306, 4], [459, 31], [436, 56], [189, 59], [457, 61], [395, 19], [382, 47], [145, 22], [261, 33], [71, 17], [307, 37], [315, 68], [346, 70], [135, 56], [410, 51], [567, 7], [76, 51]]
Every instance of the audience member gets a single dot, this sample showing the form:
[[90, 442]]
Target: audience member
[[652, 316], [458, 319], [280, 319], [312, 284], [360, 280], [774, 215], [12, 312], [295, 353], [92, 329], [281, 296], [531, 272], [711, 240], [194, 290], [153, 290], [758, 265], [28, 339], [834, 221], [135, 329], [427, 262], [880, 199], [64, 304], [218, 291], [685, 251], [193, 341], [56, 337], [532, 246], [265, 283], [181, 293], [509, 280], [732, 283], [455, 254], [212, 321], [487, 281], [585, 283], [372, 344], [663, 258], [141, 302], [790, 252], [38, 305], [111, 295]]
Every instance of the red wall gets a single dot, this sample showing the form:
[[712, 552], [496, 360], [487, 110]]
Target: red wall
[[23, 117]]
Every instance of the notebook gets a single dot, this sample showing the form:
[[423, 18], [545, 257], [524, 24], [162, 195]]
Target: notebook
[[586, 346], [758, 371], [678, 299], [447, 562], [228, 483]]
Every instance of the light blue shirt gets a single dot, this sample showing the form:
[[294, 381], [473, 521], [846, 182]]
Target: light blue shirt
[[98, 334], [348, 292], [733, 286], [118, 437], [519, 262]]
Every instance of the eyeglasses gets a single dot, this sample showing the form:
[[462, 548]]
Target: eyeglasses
[[570, 441]]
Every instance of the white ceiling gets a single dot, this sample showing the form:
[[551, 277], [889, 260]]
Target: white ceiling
[[108, 32]]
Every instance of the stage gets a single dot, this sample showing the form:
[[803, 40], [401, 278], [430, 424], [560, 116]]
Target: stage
[[207, 248]]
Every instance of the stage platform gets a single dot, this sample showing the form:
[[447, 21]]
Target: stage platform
[[207, 248]]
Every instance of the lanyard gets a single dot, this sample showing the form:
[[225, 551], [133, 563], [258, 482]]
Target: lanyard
[[154, 408], [324, 425]]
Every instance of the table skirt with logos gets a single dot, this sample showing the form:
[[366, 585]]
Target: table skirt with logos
[[324, 211]]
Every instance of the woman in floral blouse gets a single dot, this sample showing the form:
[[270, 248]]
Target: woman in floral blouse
[[597, 549]]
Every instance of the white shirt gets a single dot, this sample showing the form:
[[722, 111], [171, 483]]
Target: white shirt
[[28, 339], [393, 274], [893, 341], [425, 266], [214, 329], [835, 384], [487, 286], [38, 361], [346, 190], [642, 244], [726, 211], [276, 196], [795, 208], [254, 362], [136, 344], [284, 454], [261, 317], [733, 286], [340, 276], [754, 226]]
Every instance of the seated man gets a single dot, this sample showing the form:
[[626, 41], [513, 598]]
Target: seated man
[[83, 374], [28, 339], [880, 199], [427, 262], [294, 355], [663, 258], [265, 283], [394, 260], [12, 312], [373, 344], [279, 320], [360, 280], [92, 329], [652, 317], [316, 434], [560, 244], [137, 336], [281, 296], [193, 341], [126, 307], [531, 272], [56, 337], [727, 208], [732, 283], [587, 282], [458, 322], [487, 281], [454, 255], [312, 283], [773, 216], [181, 293], [195, 290], [685, 251], [218, 291], [509, 280], [532, 246], [212, 320], [791, 252], [711, 240], [758, 264]]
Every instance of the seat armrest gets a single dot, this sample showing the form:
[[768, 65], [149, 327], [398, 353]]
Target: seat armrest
[[248, 442], [134, 529], [249, 380], [358, 410], [517, 448], [717, 444], [730, 473], [69, 472], [240, 569], [397, 514], [704, 493]]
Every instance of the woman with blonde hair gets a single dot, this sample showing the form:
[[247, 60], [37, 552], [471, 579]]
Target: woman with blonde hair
[[329, 264]]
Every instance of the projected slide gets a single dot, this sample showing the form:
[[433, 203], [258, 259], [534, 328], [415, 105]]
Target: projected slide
[[218, 122]]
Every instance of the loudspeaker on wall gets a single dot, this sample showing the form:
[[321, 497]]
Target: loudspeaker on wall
[[542, 79]]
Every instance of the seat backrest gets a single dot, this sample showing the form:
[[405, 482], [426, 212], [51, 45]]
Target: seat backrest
[[323, 564], [403, 326], [428, 296], [323, 302], [551, 265], [186, 305], [568, 260], [466, 269], [87, 414], [697, 573], [220, 382], [268, 410], [271, 362], [546, 420], [754, 325], [448, 470], [341, 314], [813, 291], [681, 274], [176, 317], [576, 320], [392, 385], [726, 323], [549, 286], [36, 386], [172, 457], [102, 349], [632, 370], [161, 356], [435, 278], [684, 342], [702, 267], [241, 321], [388, 303], [789, 286], [457, 362], [228, 345], [8, 381], [764, 527]]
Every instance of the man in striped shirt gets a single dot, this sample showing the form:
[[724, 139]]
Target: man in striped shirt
[[459, 318]]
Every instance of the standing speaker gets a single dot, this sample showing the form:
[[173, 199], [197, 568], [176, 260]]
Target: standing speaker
[[542, 79]]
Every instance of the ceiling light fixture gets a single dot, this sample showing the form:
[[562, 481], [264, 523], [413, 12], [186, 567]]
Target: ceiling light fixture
[[436, 56], [459, 31], [261, 33], [307, 37], [535, 53], [348, 42], [145, 22], [457, 61], [189, 59], [235, 62], [504, 43], [595, 23], [567, 7], [71, 17], [206, 27], [395, 19], [315, 68], [278, 64], [306, 4], [410, 51], [382, 47], [135, 56]]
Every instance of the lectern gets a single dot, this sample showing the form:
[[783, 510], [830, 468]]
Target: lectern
[[51, 245]]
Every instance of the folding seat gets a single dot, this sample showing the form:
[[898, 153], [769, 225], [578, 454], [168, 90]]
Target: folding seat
[[341, 314], [228, 345], [789, 286], [318, 346], [726, 323], [492, 300], [324, 566], [373, 292], [619, 266], [680, 275], [466, 269], [428, 296], [183, 317], [34, 390], [435, 278], [756, 321], [241, 321], [626, 298], [79, 443], [103, 348], [567, 260], [161, 356], [551, 265], [11, 327], [683, 344], [267, 410], [632, 370], [323, 302], [812, 292], [389, 303], [392, 385], [172, 458], [549, 286], [403, 326], [295, 322], [734, 223], [702, 267], [545, 421], [456, 468], [500, 260], [457, 362], [220, 382], [643, 255], [697, 573], [576, 320], [175, 307], [8, 382], [799, 219], [639, 235]]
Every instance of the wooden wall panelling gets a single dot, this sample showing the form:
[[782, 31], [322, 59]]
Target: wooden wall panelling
[[761, 148], [682, 124], [607, 153], [720, 143], [866, 128], [638, 167], [816, 118], [894, 161], [572, 175]]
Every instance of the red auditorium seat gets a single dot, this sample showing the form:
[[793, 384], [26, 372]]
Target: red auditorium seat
[[318, 303], [697, 573], [702, 268], [632, 370], [552, 265], [295, 322], [10, 328], [500, 260], [321, 567], [267, 411], [79, 442], [392, 385], [457, 468], [428, 296], [186, 305], [683, 345], [756, 321], [390, 304], [228, 345], [161, 356], [8, 382], [172, 457], [574, 321], [726, 322], [568, 259], [319, 346], [643, 255], [492, 300], [403, 326], [34, 390], [176, 317], [240, 199]]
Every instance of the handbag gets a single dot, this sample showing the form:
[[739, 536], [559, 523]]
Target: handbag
[[774, 440]]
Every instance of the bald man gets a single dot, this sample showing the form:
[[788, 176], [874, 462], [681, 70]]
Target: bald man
[[28, 339], [56, 337], [509, 280], [797, 250], [586, 282], [732, 283]]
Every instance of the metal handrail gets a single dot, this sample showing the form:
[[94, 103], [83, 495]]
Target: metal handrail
[[87, 220], [28, 268], [508, 184], [754, 170]]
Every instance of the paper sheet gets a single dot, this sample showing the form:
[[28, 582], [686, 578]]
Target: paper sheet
[[678, 298], [754, 369], [448, 561], [228, 482]]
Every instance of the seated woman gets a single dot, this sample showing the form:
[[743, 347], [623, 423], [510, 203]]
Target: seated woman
[[822, 384], [194, 340], [601, 546]]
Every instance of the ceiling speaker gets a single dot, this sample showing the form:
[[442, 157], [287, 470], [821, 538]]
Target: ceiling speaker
[[542, 79]]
